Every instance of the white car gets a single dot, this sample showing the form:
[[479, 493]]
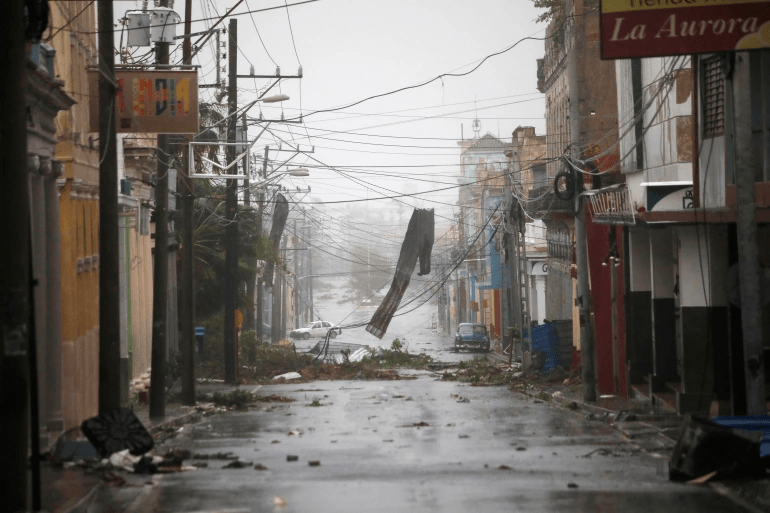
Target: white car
[[316, 329]]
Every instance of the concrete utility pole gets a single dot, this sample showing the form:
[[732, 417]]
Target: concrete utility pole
[[109, 279], [15, 270], [296, 278], [310, 279], [587, 343], [187, 280], [231, 210], [275, 317], [748, 169], [260, 289], [250, 319], [160, 274]]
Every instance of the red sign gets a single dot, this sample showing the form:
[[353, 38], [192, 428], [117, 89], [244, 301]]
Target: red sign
[[652, 28]]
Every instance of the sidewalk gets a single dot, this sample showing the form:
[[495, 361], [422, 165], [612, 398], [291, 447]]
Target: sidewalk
[[654, 432], [74, 490]]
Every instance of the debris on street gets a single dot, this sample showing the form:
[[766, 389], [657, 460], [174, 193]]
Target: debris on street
[[706, 447], [117, 430], [418, 424], [288, 376], [238, 464]]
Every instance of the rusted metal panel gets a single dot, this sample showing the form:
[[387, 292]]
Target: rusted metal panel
[[150, 101], [684, 138]]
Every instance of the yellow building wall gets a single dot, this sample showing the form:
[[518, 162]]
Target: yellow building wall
[[79, 203], [141, 301]]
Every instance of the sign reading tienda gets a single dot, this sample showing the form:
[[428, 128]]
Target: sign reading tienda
[[651, 28], [150, 101]]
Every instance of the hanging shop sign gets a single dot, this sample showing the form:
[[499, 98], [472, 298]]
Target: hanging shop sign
[[650, 28], [151, 101]]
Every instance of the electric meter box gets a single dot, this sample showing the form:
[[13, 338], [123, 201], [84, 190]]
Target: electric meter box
[[164, 23], [138, 23]]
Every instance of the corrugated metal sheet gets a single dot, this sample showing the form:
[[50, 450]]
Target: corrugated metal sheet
[[418, 243]]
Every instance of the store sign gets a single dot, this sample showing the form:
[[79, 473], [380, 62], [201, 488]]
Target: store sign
[[649, 28], [155, 102]]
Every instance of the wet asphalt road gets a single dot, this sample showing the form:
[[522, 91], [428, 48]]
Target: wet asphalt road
[[415, 445], [412, 328], [411, 445]]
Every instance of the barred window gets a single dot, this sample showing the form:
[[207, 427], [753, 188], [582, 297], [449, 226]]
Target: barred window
[[713, 97]]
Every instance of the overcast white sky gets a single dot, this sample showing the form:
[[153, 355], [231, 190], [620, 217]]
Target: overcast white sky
[[353, 49]]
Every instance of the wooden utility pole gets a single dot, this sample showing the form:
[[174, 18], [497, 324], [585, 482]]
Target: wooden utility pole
[[160, 275], [15, 269], [109, 277], [231, 211], [187, 279]]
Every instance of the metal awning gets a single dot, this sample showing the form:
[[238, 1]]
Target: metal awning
[[612, 205]]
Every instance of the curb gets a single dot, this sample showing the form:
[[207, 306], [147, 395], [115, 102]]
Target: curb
[[647, 428], [84, 504]]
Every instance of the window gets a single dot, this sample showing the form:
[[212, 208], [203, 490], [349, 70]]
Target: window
[[540, 176], [713, 97]]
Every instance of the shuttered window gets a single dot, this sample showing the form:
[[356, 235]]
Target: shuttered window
[[713, 97]]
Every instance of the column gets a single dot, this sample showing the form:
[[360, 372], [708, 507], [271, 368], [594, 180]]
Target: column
[[39, 268], [638, 306], [703, 266], [663, 315], [53, 354]]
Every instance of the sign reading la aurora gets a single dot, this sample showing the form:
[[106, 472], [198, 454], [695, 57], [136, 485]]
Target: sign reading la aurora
[[649, 28]]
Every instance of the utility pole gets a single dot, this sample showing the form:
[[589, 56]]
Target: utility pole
[[187, 280], [250, 324], [260, 289], [283, 293], [296, 278], [109, 281], [275, 318], [587, 343], [748, 169], [231, 210], [160, 278], [15, 271], [310, 280]]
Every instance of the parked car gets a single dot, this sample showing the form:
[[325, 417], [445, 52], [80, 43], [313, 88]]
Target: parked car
[[471, 336], [266, 330], [316, 329]]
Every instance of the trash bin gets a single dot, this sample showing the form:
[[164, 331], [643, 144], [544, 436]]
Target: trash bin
[[749, 423]]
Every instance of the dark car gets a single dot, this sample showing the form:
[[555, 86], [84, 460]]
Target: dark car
[[471, 336]]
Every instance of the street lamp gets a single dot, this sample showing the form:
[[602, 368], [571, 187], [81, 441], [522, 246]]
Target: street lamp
[[300, 171]]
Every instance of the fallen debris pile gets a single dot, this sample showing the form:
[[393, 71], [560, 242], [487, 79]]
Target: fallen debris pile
[[708, 449], [240, 399], [483, 372]]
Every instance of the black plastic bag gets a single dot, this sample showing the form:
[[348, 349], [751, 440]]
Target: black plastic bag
[[117, 430]]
